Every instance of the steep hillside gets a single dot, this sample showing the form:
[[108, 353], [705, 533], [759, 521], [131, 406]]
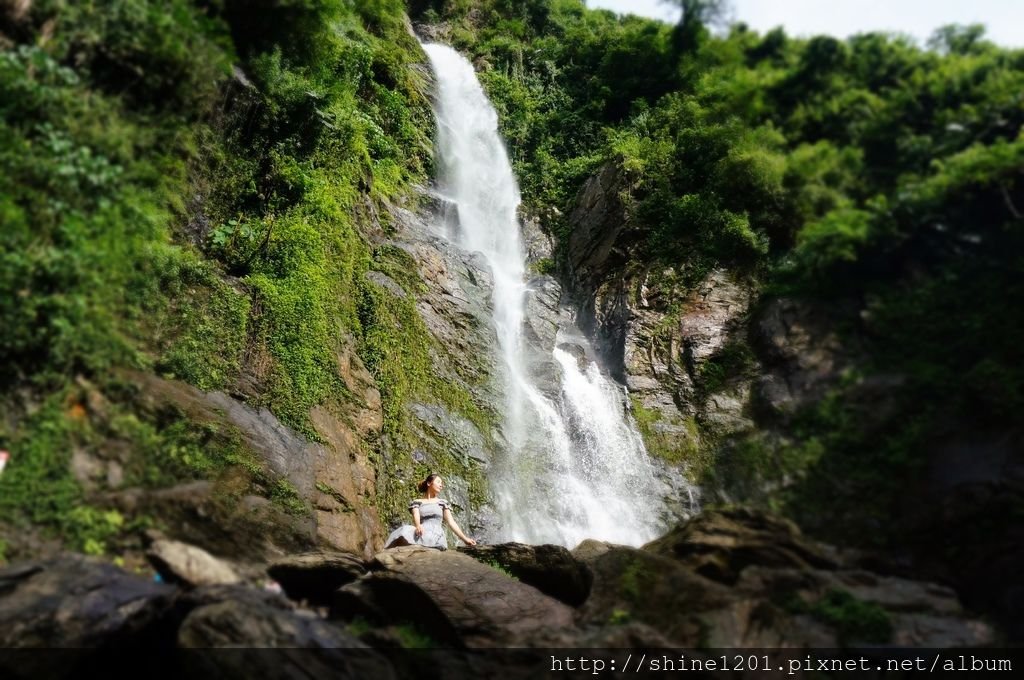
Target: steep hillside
[[195, 279]]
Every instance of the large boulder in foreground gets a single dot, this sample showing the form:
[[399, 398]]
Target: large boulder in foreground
[[720, 544], [744, 578], [251, 621], [453, 599], [315, 576], [77, 601], [632, 585], [241, 632], [550, 569]]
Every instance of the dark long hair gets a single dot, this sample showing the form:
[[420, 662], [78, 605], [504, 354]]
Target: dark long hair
[[422, 486]]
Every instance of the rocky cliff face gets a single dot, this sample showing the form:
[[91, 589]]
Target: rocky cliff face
[[660, 337], [332, 480], [702, 356], [453, 302], [716, 369]]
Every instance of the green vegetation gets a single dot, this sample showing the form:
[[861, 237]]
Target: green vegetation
[[619, 617], [855, 621], [187, 188], [358, 627], [40, 487], [545, 265], [666, 444], [412, 637], [90, 529], [732, 360], [498, 566], [635, 578], [409, 636]]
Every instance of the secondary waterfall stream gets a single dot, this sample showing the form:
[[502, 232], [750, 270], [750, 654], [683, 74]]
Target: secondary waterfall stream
[[574, 465]]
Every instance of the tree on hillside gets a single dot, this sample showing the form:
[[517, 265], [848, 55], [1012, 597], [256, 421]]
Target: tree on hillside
[[696, 16], [957, 39]]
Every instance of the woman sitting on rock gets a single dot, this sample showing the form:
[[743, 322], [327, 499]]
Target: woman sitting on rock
[[427, 515]]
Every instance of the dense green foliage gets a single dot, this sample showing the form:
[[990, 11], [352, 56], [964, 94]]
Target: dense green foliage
[[185, 188], [869, 174]]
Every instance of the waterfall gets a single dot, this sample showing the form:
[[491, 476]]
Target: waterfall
[[574, 466]]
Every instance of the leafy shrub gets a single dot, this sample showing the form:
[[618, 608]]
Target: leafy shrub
[[854, 620], [90, 528]]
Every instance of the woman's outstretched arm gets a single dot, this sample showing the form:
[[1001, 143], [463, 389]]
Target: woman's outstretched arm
[[416, 521], [455, 528]]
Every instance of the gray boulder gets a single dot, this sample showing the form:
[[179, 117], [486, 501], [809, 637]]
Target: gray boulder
[[179, 562], [77, 601], [305, 645], [550, 569], [720, 544], [315, 576], [452, 598]]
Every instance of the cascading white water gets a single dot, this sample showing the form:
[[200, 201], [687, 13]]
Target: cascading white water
[[575, 467]]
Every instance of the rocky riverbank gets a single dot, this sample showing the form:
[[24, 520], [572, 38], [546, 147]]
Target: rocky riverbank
[[731, 578]]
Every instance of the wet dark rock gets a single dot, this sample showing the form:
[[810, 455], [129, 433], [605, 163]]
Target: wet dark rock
[[441, 209], [590, 548], [542, 314], [543, 318], [578, 351], [433, 32], [257, 622], [779, 586], [719, 545], [803, 356], [76, 601], [193, 598], [385, 601], [251, 623], [550, 569], [635, 585], [316, 576], [600, 235], [448, 430]]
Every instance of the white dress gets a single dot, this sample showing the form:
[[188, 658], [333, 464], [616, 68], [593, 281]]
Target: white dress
[[432, 521]]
